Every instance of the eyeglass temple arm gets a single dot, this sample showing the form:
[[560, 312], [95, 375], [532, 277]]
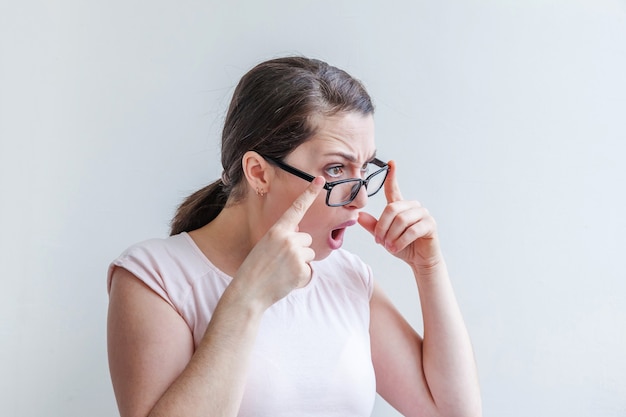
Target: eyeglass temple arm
[[294, 171], [379, 163]]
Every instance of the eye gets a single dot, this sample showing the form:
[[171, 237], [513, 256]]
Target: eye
[[335, 171]]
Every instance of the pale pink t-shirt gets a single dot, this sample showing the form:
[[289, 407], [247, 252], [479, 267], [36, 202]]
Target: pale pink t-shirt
[[312, 354]]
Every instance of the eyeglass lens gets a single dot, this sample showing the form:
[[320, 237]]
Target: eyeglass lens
[[345, 192]]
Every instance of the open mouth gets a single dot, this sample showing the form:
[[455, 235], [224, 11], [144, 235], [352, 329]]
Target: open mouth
[[335, 239]]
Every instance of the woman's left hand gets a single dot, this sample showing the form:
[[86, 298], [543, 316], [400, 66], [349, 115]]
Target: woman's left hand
[[405, 228]]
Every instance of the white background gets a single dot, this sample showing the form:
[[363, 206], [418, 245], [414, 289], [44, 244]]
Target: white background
[[506, 118]]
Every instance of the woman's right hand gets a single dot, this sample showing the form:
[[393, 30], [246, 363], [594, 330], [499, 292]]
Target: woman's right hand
[[279, 262]]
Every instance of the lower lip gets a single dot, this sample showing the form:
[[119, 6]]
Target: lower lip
[[337, 241]]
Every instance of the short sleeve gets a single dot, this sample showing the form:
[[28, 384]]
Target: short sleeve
[[145, 261]]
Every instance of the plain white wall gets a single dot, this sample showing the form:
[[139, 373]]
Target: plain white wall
[[507, 119]]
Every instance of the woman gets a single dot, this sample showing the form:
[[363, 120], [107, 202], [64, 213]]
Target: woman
[[251, 308]]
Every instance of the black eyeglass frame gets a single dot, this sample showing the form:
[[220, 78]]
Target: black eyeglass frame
[[328, 186]]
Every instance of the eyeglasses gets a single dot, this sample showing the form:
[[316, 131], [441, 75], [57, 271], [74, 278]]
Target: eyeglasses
[[342, 192]]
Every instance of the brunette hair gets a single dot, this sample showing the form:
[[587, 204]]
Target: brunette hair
[[272, 112]]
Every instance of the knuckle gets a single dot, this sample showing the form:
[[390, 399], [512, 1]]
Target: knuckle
[[405, 216], [433, 222], [273, 233], [299, 206], [391, 209], [307, 239], [416, 230]]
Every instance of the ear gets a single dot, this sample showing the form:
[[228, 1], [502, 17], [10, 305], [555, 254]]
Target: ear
[[258, 172]]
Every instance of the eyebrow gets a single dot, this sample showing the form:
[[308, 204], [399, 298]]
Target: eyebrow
[[349, 157]]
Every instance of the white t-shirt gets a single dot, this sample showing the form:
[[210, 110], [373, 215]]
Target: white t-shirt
[[312, 354]]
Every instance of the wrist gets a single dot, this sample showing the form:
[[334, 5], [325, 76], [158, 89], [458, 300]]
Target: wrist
[[429, 268], [237, 297]]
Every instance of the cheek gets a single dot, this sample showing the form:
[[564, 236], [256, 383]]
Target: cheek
[[316, 216], [318, 213]]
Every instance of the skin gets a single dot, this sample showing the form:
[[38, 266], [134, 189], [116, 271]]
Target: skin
[[154, 367]]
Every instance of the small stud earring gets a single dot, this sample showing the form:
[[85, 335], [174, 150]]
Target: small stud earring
[[260, 192]]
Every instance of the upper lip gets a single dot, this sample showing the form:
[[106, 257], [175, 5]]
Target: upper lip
[[345, 224]]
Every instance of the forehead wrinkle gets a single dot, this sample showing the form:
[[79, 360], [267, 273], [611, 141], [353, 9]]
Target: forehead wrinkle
[[349, 137]]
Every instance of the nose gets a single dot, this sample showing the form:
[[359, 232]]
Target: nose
[[361, 198]]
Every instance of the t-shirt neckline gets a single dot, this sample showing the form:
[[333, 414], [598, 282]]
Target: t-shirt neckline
[[207, 261]]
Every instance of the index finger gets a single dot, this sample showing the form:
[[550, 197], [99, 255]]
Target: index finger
[[292, 216], [392, 189]]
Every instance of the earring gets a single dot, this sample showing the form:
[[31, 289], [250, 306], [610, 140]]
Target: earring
[[260, 192]]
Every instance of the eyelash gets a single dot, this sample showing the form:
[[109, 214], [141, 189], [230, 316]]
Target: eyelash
[[340, 167], [330, 170]]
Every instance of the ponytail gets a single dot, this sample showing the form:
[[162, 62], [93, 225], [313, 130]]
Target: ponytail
[[199, 208]]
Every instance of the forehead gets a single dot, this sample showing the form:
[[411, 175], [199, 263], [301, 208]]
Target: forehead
[[348, 134]]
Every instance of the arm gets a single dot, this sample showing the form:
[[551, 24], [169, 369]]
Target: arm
[[154, 369], [433, 376], [436, 375]]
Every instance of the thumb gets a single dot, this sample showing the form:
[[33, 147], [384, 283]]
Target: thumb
[[368, 222]]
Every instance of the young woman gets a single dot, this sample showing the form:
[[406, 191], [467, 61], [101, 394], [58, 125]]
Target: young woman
[[251, 307]]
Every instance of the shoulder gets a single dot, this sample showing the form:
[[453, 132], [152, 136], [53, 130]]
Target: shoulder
[[159, 248], [172, 252], [167, 265]]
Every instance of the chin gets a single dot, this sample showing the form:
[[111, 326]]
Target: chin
[[322, 253]]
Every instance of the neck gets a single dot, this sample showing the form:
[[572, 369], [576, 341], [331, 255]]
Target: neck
[[229, 238]]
